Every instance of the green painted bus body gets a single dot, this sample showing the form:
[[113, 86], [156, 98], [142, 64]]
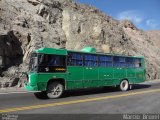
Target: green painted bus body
[[76, 77]]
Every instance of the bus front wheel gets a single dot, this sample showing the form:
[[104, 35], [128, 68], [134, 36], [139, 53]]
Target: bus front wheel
[[55, 90], [124, 85]]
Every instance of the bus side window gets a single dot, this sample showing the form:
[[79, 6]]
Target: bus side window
[[75, 59], [90, 60], [119, 61], [138, 63], [105, 61], [109, 62], [130, 62], [87, 59], [116, 62], [49, 63], [53, 61]]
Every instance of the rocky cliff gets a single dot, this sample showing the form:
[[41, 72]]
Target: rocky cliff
[[30, 24]]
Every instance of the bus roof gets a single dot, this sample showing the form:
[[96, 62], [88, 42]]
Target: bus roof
[[46, 50]]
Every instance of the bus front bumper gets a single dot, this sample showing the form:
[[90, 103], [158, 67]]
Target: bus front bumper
[[30, 87]]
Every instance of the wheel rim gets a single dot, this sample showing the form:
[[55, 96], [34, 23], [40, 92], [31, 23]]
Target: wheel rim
[[55, 91], [124, 85]]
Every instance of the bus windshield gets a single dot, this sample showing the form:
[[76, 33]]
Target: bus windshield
[[33, 62]]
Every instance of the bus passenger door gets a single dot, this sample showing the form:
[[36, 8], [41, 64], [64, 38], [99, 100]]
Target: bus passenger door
[[90, 71], [105, 70], [119, 69], [74, 70], [131, 75]]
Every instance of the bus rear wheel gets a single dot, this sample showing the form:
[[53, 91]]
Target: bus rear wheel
[[55, 90], [124, 85]]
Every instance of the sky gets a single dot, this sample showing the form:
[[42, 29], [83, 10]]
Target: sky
[[145, 14]]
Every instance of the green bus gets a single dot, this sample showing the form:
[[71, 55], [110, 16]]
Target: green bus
[[52, 71]]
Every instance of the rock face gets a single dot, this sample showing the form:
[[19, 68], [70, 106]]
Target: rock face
[[154, 36], [30, 24]]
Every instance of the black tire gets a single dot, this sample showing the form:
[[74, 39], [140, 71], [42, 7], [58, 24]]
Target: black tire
[[41, 95], [55, 90], [124, 85]]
